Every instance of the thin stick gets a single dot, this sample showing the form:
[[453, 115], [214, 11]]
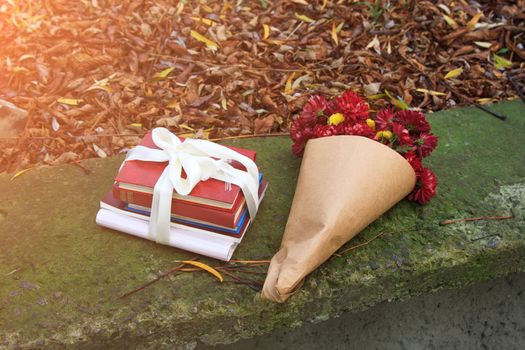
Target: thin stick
[[251, 136], [162, 275], [497, 115], [453, 221], [371, 240], [471, 101]]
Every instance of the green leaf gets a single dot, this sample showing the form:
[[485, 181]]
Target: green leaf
[[501, 63]]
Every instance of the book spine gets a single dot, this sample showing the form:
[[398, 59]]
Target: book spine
[[197, 212]]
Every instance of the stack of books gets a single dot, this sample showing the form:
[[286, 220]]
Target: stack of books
[[212, 220]]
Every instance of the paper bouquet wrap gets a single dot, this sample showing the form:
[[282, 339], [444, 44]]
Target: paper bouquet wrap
[[345, 183]]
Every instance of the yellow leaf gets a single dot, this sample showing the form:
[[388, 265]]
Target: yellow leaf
[[70, 101], [189, 128], [334, 34], [205, 267], [325, 2], [451, 22], [301, 2], [164, 73], [454, 73], [275, 42], [188, 135], [288, 89], [375, 97], [431, 92], [304, 18], [472, 23], [21, 172], [206, 21], [486, 100], [212, 45], [266, 31], [136, 125]]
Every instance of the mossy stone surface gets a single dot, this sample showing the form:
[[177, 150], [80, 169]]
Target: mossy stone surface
[[61, 275]]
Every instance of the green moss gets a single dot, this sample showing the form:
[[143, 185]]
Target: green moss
[[69, 273]]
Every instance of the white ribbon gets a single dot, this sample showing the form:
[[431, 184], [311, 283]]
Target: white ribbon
[[195, 157]]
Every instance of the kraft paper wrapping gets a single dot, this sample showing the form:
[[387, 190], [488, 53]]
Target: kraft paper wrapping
[[345, 183]]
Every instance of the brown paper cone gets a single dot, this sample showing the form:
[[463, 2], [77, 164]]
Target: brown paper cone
[[345, 183]]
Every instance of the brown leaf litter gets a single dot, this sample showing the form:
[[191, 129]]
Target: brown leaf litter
[[96, 76]]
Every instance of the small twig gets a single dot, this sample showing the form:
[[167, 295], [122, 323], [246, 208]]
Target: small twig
[[250, 136], [255, 285], [453, 221], [371, 240], [250, 261], [14, 271], [471, 101], [497, 115], [240, 270], [162, 275]]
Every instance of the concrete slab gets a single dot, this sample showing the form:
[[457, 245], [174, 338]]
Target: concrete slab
[[61, 275]]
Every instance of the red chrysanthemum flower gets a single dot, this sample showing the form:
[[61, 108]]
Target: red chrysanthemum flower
[[325, 130], [353, 106], [413, 121], [403, 137], [359, 129], [425, 187], [314, 108], [414, 161], [300, 133], [384, 118], [426, 144], [298, 149]]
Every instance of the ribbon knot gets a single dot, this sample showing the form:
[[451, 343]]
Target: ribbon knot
[[200, 160]]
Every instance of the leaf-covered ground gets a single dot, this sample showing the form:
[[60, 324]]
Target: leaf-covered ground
[[95, 75]]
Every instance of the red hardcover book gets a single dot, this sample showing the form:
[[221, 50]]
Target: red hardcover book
[[186, 209], [141, 176], [113, 202]]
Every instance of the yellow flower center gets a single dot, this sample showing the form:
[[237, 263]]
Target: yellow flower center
[[336, 118], [384, 134], [371, 123]]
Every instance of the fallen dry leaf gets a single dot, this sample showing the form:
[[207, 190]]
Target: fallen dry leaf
[[264, 125]]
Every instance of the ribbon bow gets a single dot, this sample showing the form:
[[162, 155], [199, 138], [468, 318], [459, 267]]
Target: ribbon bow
[[196, 158]]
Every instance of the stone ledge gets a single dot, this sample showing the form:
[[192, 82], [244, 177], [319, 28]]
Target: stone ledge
[[68, 272]]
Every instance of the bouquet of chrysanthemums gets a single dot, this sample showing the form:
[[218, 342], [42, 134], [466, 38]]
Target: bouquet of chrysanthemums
[[356, 165]]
